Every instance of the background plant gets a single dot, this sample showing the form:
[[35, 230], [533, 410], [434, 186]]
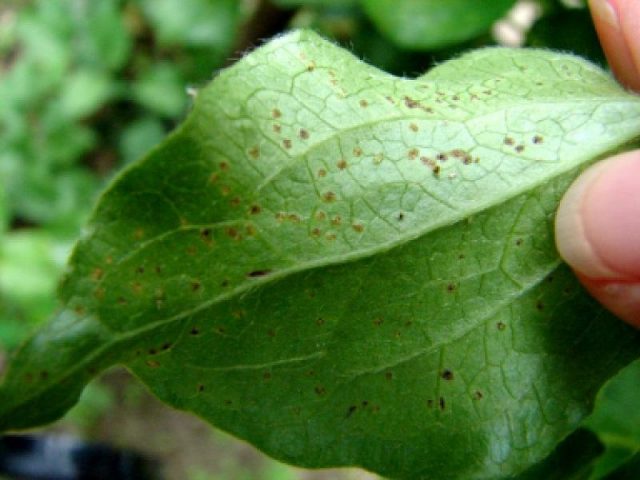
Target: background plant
[[89, 86]]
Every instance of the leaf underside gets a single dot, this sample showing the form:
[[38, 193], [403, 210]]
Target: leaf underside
[[348, 268]]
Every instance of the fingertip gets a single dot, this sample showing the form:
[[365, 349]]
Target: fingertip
[[598, 232]]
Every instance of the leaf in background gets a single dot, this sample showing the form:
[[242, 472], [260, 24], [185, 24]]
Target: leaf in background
[[348, 268], [139, 137], [430, 24], [616, 420], [161, 90]]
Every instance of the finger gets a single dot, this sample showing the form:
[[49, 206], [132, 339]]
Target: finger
[[598, 233], [618, 25]]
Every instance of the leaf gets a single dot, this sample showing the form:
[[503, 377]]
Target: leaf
[[430, 24], [348, 268], [616, 420]]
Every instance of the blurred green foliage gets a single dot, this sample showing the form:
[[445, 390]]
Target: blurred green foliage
[[87, 86]]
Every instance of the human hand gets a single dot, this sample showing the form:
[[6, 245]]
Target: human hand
[[598, 221]]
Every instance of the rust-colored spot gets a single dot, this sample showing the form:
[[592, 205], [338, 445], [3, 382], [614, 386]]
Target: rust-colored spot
[[413, 153], [122, 301], [266, 375], [255, 152], [79, 309], [537, 139], [388, 375], [250, 230], [364, 103], [166, 346], [255, 209], [400, 216], [329, 196], [311, 66], [224, 166], [258, 273], [303, 134], [337, 220], [357, 152], [477, 395], [501, 326], [191, 250], [213, 178], [410, 102], [413, 127], [442, 157], [316, 232], [378, 321], [225, 190], [271, 333], [442, 403], [281, 216], [205, 235], [97, 274], [286, 143], [294, 218], [235, 201], [451, 287], [140, 270], [196, 285], [137, 288], [138, 233], [158, 269], [152, 351], [152, 363], [320, 215], [322, 173], [342, 164], [201, 388], [429, 403], [231, 232], [509, 141], [455, 98], [520, 148], [194, 331], [319, 321], [351, 410], [330, 236], [539, 305], [358, 227], [275, 113], [277, 128], [320, 390], [519, 242], [447, 375]]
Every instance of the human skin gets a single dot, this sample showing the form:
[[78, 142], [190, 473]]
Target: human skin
[[598, 221]]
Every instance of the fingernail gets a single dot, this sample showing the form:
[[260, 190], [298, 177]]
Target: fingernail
[[606, 10], [598, 221]]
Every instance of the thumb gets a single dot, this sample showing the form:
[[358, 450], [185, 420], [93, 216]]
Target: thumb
[[598, 233]]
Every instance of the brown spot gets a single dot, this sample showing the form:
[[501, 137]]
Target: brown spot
[[358, 227], [455, 98], [364, 103], [413, 153], [451, 287], [271, 333], [442, 403], [330, 236], [194, 331], [413, 127], [294, 218], [152, 363], [195, 285], [201, 388], [342, 164], [275, 113], [44, 375], [231, 232], [286, 143], [509, 141], [520, 148], [519, 242], [255, 209], [329, 197], [316, 232], [281, 216], [158, 269], [79, 309], [277, 128], [539, 305], [537, 140], [311, 66], [122, 301], [97, 274], [205, 235], [357, 151], [225, 283], [303, 134], [320, 390], [258, 273], [322, 173], [225, 190], [250, 230], [400, 216], [310, 373], [99, 293], [501, 326], [351, 410], [152, 351], [224, 166], [337, 220], [140, 270], [213, 178], [255, 152], [442, 157], [410, 102], [378, 321], [429, 403], [166, 346], [266, 375], [138, 233], [388, 375], [436, 170], [447, 375], [137, 288], [478, 395]]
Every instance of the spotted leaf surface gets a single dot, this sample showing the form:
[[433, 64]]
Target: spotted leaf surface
[[348, 268]]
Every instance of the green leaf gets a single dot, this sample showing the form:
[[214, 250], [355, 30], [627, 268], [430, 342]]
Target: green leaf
[[349, 268], [616, 420], [429, 24]]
